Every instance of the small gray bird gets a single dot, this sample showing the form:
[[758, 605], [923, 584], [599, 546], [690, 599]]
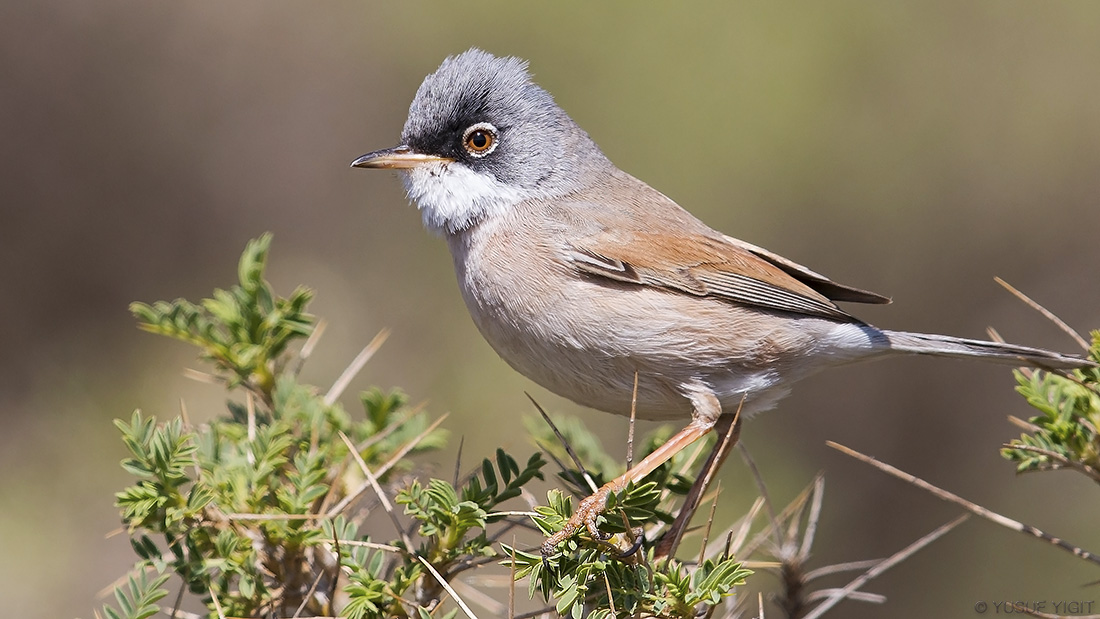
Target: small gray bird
[[584, 278]]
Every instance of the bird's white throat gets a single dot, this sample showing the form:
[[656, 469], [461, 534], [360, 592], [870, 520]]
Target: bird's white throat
[[452, 197]]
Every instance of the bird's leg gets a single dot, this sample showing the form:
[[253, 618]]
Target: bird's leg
[[728, 429], [706, 414]]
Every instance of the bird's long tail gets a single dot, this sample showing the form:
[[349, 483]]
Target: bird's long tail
[[1008, 354]]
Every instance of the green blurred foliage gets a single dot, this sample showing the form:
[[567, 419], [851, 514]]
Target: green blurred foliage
[[1064, 434]]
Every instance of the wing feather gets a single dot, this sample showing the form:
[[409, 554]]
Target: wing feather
[[703, 265]]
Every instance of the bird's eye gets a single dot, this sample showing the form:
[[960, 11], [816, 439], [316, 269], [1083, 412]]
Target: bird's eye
[[480, 139]]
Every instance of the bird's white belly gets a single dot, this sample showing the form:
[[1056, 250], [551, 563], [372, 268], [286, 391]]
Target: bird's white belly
[[579, 347]]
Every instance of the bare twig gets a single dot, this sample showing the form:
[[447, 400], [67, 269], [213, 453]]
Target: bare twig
[[761, 486], [811, 522], [274, 517], [971, 507], [561, 465], [334, 589], [187, 424], [201, 377], [382, 470], [1045, 312], [884, 565], [393, 426], [363, 446], [1026, 426], [610, 596], [447, 586], [633, 419], [251, 408], [511, 513], [1059, 459], [565, 443], [312, 590], [1088, 424], [183, 414], [385, 500], [374, 545], [773, 525], [179, 600], [458, 460], [217, 604], [476, 596], [858, 596], [512, 582], [410, 445], [356, 365], [837, 568], [307, 348], [734, 543], [710, 522], [535, 613]]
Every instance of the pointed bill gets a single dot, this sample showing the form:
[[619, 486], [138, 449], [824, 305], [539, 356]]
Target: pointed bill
[[397, 158]]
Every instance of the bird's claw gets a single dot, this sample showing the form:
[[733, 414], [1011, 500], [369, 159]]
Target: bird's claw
[[635, 545], [585, 517]]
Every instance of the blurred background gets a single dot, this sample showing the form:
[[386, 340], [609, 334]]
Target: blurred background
[[914, 149]]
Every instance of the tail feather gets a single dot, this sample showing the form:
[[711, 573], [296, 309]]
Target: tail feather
[[1009, 354]]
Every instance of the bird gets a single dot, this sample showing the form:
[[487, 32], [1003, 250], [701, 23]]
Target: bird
[[603, 290]]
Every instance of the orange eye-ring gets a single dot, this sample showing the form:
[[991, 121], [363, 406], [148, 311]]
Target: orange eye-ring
[[480, 139]]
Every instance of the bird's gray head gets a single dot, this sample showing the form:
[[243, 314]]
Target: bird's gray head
[[482, 137]]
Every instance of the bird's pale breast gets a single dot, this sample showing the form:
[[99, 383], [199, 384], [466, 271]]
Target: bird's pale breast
[[584, 338]]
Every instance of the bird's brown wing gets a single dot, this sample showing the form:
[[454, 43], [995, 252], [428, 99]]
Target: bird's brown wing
[[703, 265], [817, 281]]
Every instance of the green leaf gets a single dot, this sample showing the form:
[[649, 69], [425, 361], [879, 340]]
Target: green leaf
[[138, 597]]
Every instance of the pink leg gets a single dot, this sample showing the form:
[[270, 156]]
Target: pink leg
[[707, 412], [728, 429]]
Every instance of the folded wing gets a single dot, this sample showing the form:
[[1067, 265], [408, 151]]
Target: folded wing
[[722, 267]]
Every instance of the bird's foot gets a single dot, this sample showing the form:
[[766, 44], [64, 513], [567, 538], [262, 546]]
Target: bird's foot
[[585, 517]]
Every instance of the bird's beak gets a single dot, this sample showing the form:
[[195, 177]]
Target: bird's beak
[[397, 158]]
